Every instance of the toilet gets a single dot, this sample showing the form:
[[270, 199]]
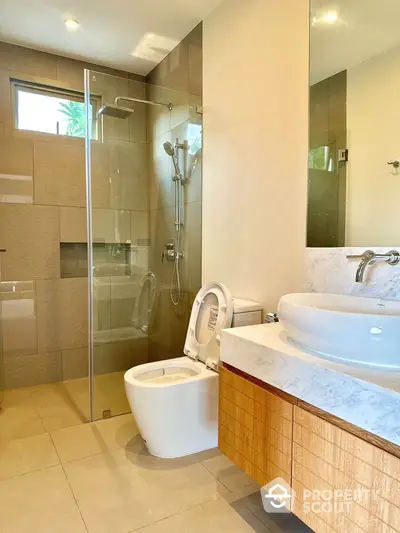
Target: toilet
[[175, 402]]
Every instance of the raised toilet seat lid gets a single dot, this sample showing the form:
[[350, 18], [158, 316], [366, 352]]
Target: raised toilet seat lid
[[212, 311]]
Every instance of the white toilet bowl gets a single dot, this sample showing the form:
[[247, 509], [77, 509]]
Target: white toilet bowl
[[175, 402]]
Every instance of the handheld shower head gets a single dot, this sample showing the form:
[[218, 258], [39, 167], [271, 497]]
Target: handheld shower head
[[170, 150]]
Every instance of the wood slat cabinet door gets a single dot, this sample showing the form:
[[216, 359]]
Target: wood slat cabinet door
[[366, 478], [255, 428]]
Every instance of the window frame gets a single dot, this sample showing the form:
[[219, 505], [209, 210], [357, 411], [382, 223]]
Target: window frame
[[69, 94]]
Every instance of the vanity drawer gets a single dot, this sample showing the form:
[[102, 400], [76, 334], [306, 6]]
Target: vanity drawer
[[327, 458], [255, 428]]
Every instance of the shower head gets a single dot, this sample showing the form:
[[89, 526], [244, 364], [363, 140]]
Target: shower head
[[116, 111], [170, 150]]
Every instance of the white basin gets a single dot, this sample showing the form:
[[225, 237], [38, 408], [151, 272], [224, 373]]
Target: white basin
[[351, 329]]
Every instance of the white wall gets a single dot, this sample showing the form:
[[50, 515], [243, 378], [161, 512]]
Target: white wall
[[373, 121], [255, 146]]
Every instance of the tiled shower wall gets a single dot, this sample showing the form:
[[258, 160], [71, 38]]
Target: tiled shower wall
[[181, 73], [42, 203]]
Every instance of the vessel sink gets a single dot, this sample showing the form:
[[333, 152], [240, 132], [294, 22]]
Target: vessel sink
[[349, 329]]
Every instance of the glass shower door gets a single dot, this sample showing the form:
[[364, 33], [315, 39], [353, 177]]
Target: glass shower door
[[2, 250], [139, 309]]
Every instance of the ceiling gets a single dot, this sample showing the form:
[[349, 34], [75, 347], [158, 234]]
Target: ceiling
[[365, 28], [131, 35]]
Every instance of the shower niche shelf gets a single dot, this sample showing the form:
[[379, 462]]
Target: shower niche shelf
[[109, 259]]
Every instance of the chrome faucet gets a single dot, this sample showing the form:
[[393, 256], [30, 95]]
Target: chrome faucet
[[369, 258]]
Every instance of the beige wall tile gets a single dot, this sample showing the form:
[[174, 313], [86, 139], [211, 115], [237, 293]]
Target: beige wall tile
[[161, 186], [161, 231], [28, 370], [16, 157], [192, 247], [111, 226], [73, 222], [27, 455], [128, 176], [18, 315], [190, 160], [62, 314], [195, 43], [5, 100], [30, 234], [59, 172], [24, 60], [70, 73], [109, 87], [120, 356], [75, 363], [102, 308], [16, 189], [158, 118], [100, 175], [47, 501], [124, 291], [138, 121], [139, 227]]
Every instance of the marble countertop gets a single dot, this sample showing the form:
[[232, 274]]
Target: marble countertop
[[367, 398]]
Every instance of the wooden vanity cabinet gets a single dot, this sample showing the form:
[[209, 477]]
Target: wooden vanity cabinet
[[269, 437], [328, 458], [255, 429]]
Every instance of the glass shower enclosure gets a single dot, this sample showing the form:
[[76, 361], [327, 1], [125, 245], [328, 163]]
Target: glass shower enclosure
[[143, 168]]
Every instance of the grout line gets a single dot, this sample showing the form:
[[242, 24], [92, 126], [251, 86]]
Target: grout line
[[69, 484]]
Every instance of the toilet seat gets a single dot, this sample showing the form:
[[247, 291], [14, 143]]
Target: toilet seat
[[212, 311], [141, 318], [167, 373]]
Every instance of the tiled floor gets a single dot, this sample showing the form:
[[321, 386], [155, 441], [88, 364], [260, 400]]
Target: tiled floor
[[44, 408], [59, 475]]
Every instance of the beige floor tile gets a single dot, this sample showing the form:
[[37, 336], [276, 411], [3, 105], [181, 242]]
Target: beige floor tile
[[239, 483], [17, 397], [40, 502], [61, 405], [27, 455], [134, 493], [212, 517], [109, 394], [90, 439], [19, 421]]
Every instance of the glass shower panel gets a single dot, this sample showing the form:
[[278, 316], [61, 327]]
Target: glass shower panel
[[132, 208]]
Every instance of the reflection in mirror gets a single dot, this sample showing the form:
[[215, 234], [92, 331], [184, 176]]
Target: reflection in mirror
[[353, 193]]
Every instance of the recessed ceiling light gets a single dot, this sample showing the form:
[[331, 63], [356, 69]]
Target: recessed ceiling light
[[71, 24]]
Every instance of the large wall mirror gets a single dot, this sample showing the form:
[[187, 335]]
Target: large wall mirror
[[354, 152]]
